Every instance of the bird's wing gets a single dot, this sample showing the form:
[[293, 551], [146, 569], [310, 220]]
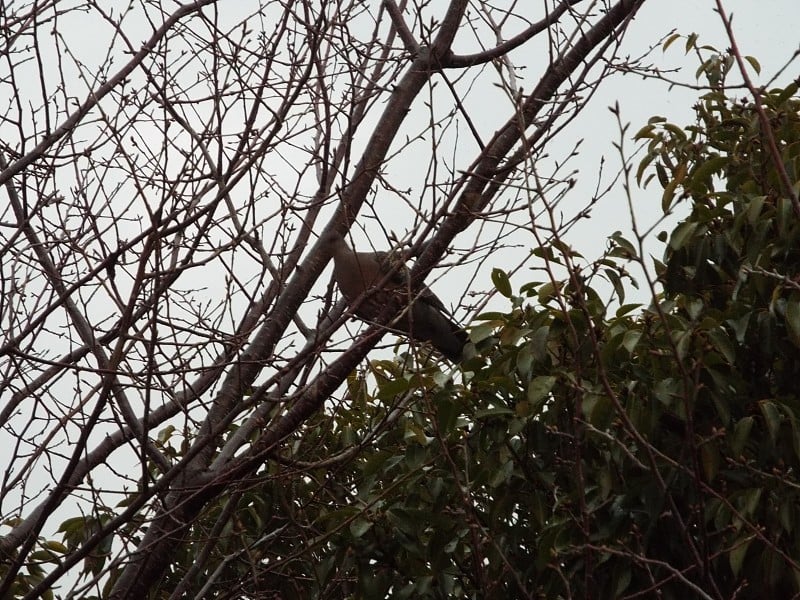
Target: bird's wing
[[395, 268]]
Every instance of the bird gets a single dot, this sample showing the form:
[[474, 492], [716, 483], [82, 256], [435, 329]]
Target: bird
[[370, 281]]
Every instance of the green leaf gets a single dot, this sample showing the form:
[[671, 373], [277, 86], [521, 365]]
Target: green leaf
[[166, 433], [414, 433], [538, 343], [55, 546], [501, 282], [523, 409], [682, 343], [691, 41], [787, 93], [478, 333], [737, 554], [41, 556], [668, 42], [663, 176], [709, 168], [392, 388], [359, 527], [631, 339], [494, 411], [751, 499], [628, 249], [682, 234], [498, 317], [650, 157], [672, 185], [667, 390], [646, 132], [789, 413], [694, 308], [679, 134], [622, 578], [524, 361], [548, 291], [626, 308], [772, 418], [739, 326], [447, 414], [616, 282], [722, 343], [598, 410], [793, 320], [754, 63], [754, 209], [538, 390], [741, 435]]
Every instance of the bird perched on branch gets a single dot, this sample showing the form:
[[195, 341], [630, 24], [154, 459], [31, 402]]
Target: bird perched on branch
[[372, 280]]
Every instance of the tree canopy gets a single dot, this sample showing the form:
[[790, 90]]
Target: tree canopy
[[187, 410]]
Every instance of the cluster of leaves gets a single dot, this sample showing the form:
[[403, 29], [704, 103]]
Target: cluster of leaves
[[47, 553], [668, 447]]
